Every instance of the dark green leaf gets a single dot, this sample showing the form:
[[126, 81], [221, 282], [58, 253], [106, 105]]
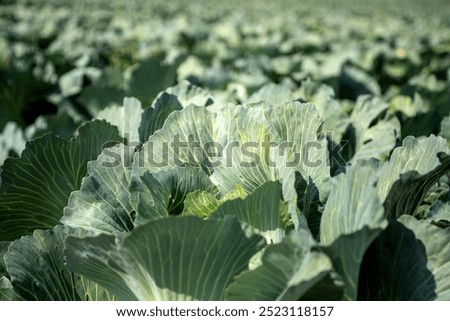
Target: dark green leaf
[[35, 188], [175, 258]]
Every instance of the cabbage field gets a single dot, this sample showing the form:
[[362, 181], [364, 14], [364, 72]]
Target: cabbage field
[[224, 150]]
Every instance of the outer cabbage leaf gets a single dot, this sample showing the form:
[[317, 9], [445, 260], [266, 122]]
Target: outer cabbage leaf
[[173, 98], [36, 266], [7, 292], [175, 258], [153, 117], [261, 210], [413, 155], [289, 270], [300, 124], [408, 192], [335, 120], [169, 146], [409, 261], [35, 188], [103, 203], [353, 217], [126, 118], [375, 141]]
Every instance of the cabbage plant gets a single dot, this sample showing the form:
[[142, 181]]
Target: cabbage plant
[[188, 200]]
